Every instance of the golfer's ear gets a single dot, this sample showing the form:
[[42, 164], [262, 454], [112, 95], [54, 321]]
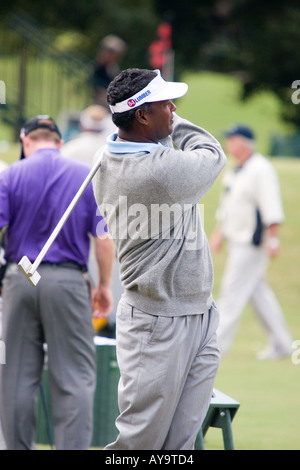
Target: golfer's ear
[[142, 116]]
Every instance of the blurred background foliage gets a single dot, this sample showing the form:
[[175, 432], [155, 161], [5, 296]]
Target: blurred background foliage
[[256, 42]]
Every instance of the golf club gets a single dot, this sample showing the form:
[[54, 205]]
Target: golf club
[[30, 269]]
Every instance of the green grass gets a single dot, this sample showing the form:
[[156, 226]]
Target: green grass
[[213, 102], [268, 392], [12, 154]]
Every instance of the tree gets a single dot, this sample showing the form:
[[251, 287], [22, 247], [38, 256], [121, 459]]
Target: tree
[[257, 41], [132, 20]]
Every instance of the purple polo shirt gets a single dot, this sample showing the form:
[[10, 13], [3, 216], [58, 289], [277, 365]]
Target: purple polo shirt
[[34, 194]]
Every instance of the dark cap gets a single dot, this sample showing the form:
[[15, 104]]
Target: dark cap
[[39, 122], [240, 130]]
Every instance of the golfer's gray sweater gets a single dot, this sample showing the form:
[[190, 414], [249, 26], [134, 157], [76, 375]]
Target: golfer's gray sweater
[[148, 195]]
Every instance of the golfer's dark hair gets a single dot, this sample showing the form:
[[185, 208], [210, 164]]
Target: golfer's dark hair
[[125, 85]]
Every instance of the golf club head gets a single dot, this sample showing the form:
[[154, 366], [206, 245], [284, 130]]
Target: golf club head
[[25, 266]]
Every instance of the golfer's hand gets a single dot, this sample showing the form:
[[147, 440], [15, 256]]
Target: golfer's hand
[[102, 301]]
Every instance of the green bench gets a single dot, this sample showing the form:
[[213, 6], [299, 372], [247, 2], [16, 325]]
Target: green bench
[[221, 412]]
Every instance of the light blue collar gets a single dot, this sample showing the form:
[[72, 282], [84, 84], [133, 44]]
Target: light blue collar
[[119, 146]]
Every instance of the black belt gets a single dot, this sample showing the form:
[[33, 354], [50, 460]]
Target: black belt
[[66, 264]]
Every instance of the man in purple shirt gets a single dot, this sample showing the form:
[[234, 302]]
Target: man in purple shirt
[[34, 194]]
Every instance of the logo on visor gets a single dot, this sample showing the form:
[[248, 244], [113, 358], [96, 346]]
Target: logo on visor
[[133, 101]]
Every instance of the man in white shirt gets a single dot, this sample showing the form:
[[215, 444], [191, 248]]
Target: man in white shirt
[[95, 126], [249, 217]]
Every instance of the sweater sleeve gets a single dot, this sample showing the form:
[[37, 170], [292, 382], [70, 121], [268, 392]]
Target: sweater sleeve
[[196, 162]]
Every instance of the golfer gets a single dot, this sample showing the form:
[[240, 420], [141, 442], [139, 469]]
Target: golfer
[[249, 217], [34, 193], [166, 319]]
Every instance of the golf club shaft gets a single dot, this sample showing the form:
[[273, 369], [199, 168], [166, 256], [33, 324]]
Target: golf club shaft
[[66, 215]]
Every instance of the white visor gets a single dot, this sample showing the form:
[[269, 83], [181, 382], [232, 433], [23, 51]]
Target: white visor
[[157, 90]]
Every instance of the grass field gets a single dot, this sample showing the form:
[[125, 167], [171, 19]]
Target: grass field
[[268, 392]]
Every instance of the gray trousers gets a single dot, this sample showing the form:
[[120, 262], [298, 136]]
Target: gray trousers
[[56, 312], [168, 367]]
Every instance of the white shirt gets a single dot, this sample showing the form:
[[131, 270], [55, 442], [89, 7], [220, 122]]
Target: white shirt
[[86, 144], [254, 186]]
